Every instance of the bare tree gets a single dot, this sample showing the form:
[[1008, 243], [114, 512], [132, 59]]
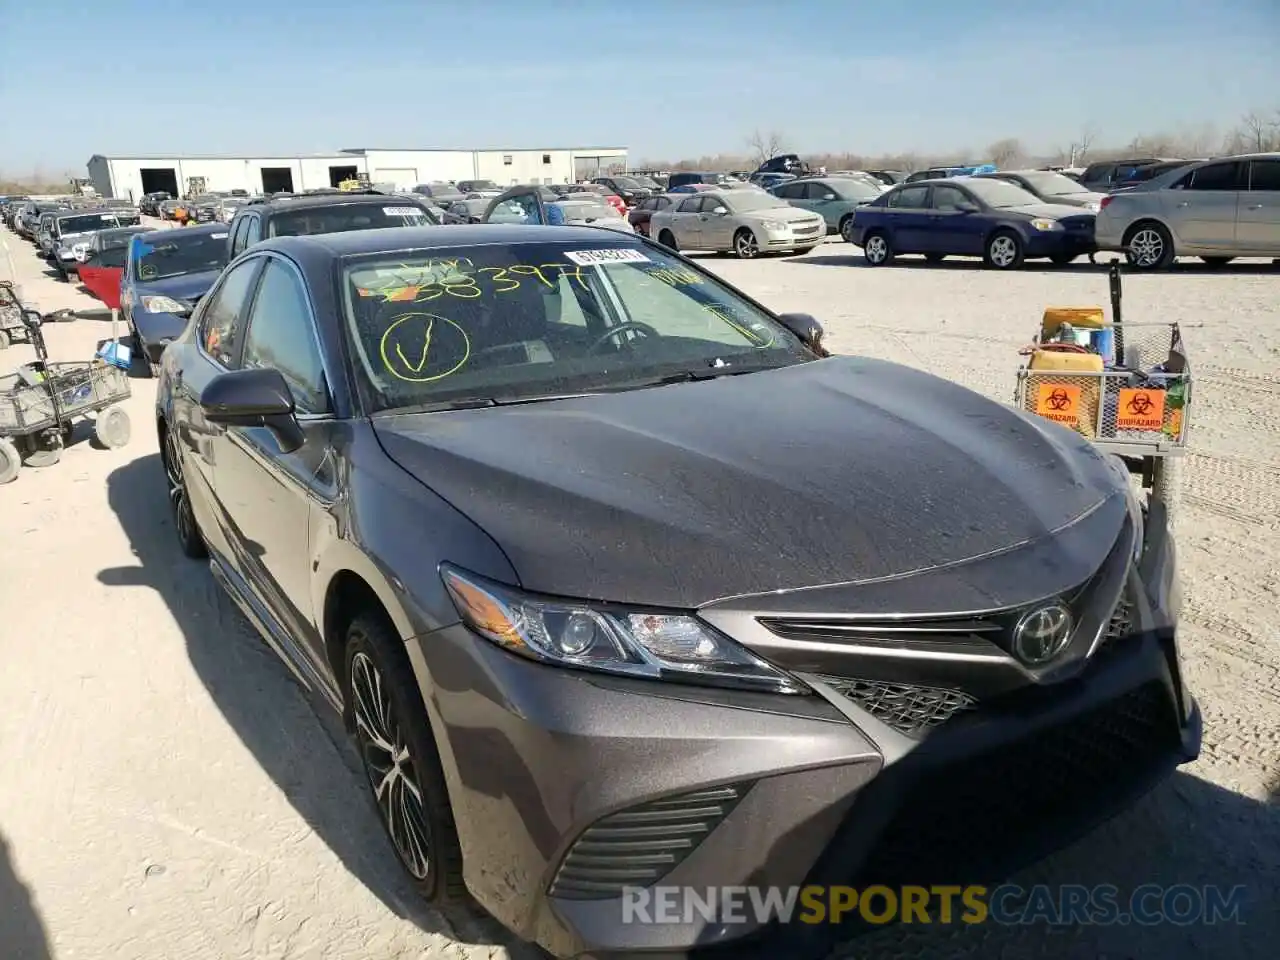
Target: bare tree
[[1257, 131], [1079, 148], [765, 145], [1003, 153]]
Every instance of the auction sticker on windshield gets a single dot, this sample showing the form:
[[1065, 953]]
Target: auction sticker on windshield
[[217, 236], [402, 211], [589, 258]]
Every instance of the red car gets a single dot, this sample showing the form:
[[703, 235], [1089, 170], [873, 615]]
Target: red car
[[613, 199]]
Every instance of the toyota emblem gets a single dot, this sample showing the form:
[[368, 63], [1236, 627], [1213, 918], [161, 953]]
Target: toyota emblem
[[1042, 634]]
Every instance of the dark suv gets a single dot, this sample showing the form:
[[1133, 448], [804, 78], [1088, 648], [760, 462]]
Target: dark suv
[[296, 216]]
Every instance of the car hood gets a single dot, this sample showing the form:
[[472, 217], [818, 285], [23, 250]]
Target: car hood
[[833, 471], [1050, 211], [188, 286], [787, 214]]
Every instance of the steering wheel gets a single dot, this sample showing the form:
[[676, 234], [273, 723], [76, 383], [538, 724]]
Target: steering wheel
[[644, 328]]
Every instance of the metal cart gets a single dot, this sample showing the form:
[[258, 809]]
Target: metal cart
[[1138, 409], [12, 327], [40, 402]]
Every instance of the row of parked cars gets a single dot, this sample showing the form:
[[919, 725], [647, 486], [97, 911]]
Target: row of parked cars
[[62, 228]]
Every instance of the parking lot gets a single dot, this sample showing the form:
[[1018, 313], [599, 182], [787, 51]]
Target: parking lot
[[169, 790]]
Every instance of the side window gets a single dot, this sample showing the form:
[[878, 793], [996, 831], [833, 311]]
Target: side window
[[527, 205], [909, 198], [816, 191], [281, 335], [788, 191], [948, 198], [1264, 175], [252, 231], [1216, 176], [223, 320], [691, 205], [237, 235]]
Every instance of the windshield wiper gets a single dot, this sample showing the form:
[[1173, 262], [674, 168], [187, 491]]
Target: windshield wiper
[[476, 403]]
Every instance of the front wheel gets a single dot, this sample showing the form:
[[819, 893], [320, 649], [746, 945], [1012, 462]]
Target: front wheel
[[1150, 247], [876, 249], [401, 762], [1004, 250], [668, 240], [745, 245], [190, 539], [846, 228]]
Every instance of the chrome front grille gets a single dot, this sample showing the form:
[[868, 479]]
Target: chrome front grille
[[638, 846], [894, 632], [910, 709]]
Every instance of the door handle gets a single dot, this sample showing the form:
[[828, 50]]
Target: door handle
[[1255, 206], [1185, 203]]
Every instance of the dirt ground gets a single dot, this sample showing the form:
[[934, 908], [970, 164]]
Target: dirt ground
[[168, 791]]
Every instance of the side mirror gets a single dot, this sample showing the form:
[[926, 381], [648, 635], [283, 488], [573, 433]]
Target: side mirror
[[807, 328], [720, 211], [828, 196], [967, 207], [254, 398]]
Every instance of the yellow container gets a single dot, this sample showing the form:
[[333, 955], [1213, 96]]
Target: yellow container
[[1090, 318], [1066, 361]]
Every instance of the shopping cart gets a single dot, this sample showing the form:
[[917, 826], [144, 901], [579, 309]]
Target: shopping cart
[[40, 402], [1134, 402]]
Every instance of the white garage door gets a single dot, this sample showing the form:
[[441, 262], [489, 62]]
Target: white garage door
[[402, 177]]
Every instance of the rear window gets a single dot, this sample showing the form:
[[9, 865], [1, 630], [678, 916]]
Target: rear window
[[341, 218], [586, 209], [86, 222], [179, 255]]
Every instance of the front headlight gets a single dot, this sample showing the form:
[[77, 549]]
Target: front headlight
[[162, 305], [614, 639], [778, 225], [1094, 207], [1046, 225]]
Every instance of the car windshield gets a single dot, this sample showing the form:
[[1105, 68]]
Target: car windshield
[[178, 254], [748, 201], [506, 322], [583, 208], [997, 193], [855, 188], [113, 248], [648, 183], [1050, 184], [627, 183], [87, 222], [342, 217]]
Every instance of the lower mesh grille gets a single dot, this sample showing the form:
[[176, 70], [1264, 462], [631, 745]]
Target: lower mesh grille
[[968, 816], [638, 846], [911, 710]]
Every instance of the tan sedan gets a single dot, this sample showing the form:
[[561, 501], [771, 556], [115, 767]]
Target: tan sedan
[[744, 222]]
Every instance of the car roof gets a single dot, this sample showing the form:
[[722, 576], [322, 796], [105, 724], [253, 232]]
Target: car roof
[[352, 243], [313, 200], [204, 230]]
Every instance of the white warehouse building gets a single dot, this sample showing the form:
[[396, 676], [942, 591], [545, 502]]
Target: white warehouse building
[[131, 177]]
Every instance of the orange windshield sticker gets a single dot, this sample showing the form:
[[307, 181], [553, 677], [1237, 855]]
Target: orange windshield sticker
[[1140, 410], [1059, 402], [403, 294]]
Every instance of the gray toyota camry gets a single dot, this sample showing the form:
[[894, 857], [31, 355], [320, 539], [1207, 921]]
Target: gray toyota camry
[[620, 581]]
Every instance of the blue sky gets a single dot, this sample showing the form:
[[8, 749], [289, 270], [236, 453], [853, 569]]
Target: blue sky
[[665, 79]]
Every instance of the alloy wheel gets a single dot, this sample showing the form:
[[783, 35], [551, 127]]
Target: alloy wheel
[[876, 250], [1146, 248], [183, 518], [1003, 251], [389, 766], [745, 245]]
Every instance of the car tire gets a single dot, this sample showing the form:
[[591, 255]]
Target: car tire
[[745, 244], [396, 747], [1148, 246], [846, 228], [1062, 259], [934, 257], [876, 248], [190, 539], [10, 461], [1004, 251], [668, 240], [1217, 261]]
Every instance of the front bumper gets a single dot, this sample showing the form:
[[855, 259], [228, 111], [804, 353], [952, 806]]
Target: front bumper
[[568, 786], [791, 240], [1049, 243]]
